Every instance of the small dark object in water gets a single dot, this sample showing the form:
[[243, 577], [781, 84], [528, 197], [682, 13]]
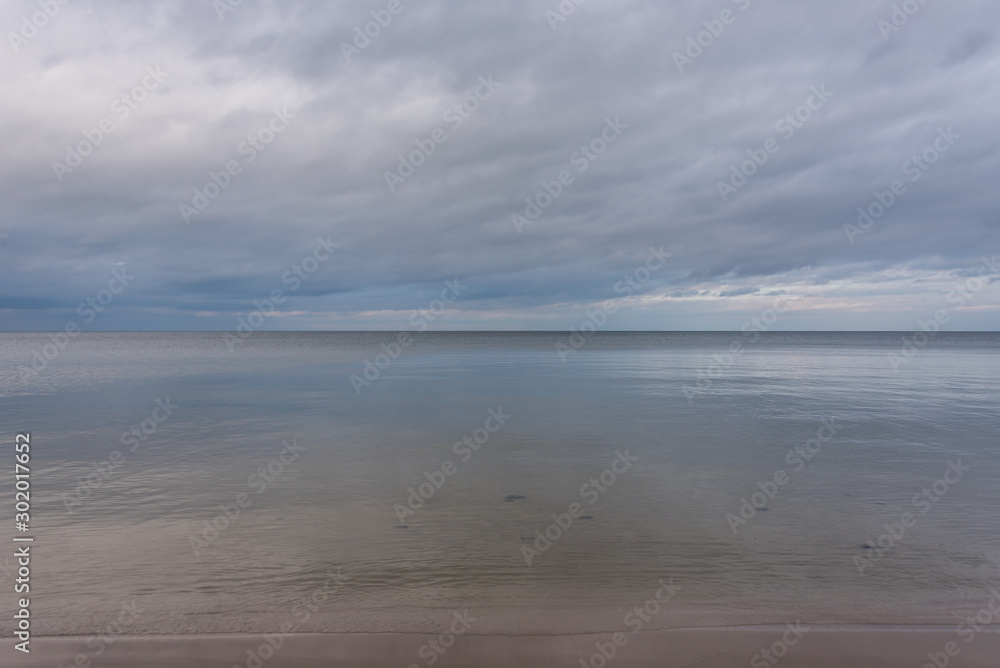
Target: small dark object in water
[[513, 497], [867, 546], [763, 510], [403, 526], [586, 517]]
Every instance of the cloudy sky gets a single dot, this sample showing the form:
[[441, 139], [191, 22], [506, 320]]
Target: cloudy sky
[[422, 149]]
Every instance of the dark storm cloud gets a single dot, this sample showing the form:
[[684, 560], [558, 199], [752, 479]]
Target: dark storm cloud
[[886, 96]]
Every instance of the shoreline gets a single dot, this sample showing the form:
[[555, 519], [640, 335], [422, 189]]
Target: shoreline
[[494, 619], [719, 647]]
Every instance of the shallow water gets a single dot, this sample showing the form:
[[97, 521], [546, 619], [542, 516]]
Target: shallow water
[[138, 532]]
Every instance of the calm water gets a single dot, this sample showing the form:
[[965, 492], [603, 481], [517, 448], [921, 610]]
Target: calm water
[[137, 532]]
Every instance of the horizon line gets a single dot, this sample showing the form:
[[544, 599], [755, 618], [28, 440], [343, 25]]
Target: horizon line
[[502, 331]]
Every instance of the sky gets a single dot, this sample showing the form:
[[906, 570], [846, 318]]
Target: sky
[[502, 165]]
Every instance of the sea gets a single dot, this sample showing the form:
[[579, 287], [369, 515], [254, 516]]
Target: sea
[[378, 481]]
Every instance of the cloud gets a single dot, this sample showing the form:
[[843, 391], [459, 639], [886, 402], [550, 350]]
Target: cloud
[[740, 292], [352, 122]]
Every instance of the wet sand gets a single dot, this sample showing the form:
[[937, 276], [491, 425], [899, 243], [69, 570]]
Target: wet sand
[[731, 647]]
